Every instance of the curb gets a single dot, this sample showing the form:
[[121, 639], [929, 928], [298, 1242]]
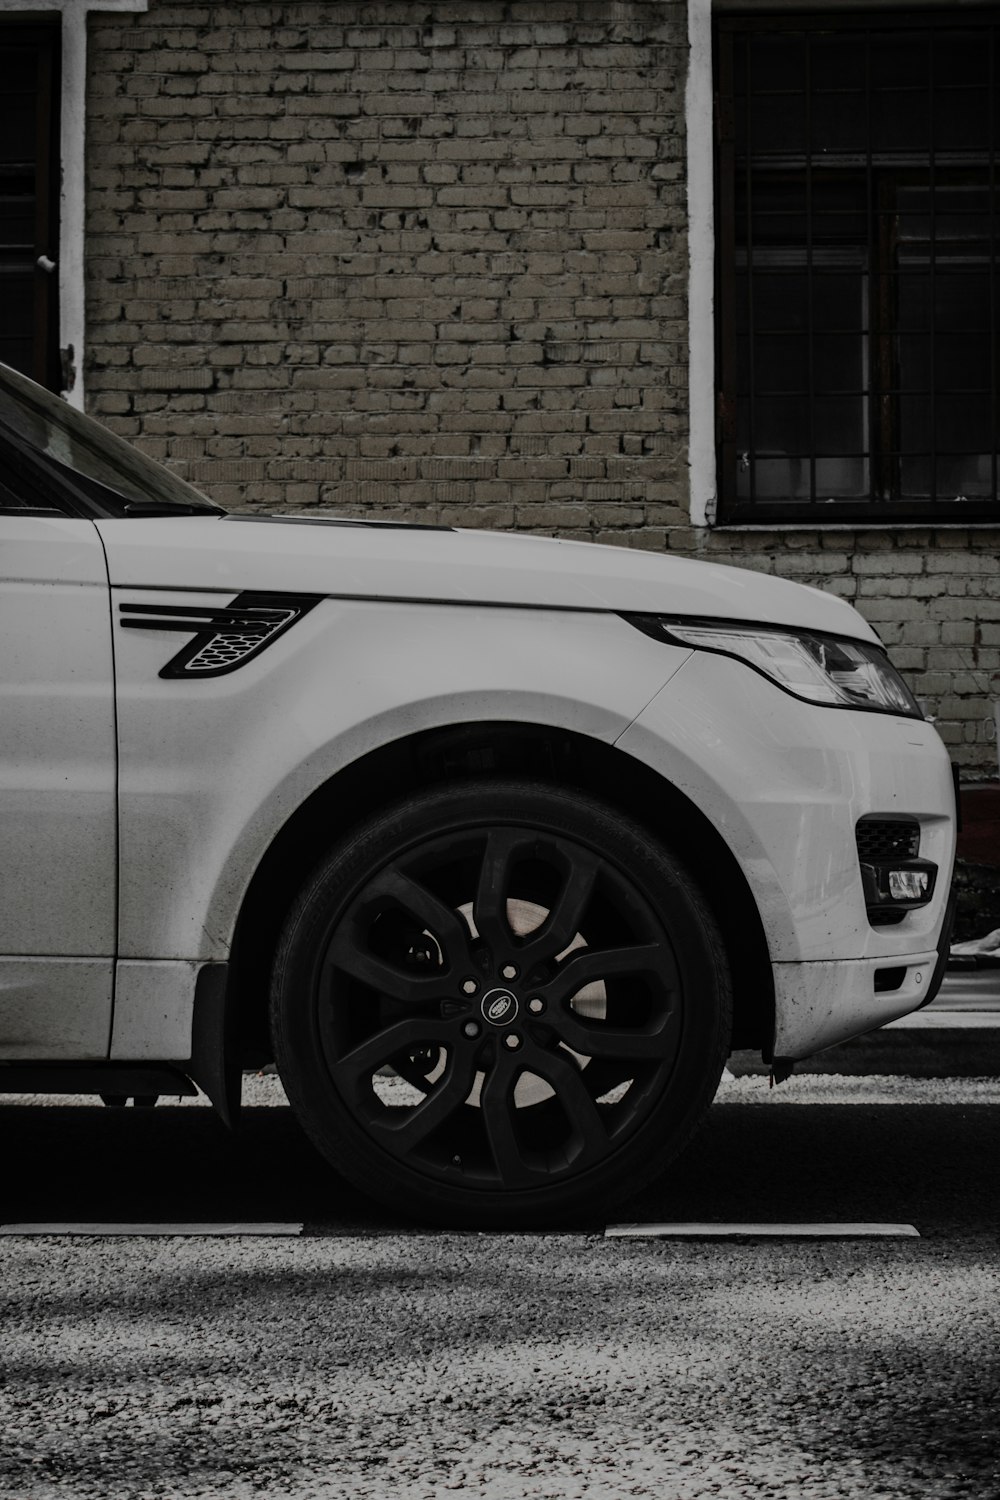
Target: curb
[[944, 1049]]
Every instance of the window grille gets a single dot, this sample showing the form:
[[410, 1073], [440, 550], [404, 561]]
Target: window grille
[[857, 299]]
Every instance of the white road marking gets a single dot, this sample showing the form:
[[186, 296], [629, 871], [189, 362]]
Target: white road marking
[[761, 1231], [945, 1020], [194, 1230]]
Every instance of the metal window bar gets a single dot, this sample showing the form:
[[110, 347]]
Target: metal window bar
[[893, 375]]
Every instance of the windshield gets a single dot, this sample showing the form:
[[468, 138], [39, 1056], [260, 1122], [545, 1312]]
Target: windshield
[[114, 476]]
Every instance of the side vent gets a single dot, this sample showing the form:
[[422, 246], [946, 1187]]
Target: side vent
[[224, 638]]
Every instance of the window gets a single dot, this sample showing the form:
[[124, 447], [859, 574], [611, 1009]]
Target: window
[[857, 200], [29, 176]]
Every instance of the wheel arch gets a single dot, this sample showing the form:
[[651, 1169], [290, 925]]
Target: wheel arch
[[538, 751]]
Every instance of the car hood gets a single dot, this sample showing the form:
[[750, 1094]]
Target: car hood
[[360, 560]]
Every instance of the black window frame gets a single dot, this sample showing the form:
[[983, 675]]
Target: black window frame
[[884, 394], [35, 183]]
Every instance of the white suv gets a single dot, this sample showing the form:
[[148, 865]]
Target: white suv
[[496, 845]]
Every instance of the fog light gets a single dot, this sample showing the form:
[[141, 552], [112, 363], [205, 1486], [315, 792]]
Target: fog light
[[908, 885], [895, 886]]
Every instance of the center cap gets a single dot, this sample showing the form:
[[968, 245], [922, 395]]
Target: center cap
[[499, 1007]]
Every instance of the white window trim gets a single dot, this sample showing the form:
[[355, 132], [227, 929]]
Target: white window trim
[[72, 157], [699, 116]]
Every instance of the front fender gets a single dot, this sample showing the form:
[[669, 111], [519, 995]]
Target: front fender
[[211, 770]]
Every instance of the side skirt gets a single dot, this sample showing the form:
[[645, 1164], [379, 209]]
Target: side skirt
[[211, 1065]]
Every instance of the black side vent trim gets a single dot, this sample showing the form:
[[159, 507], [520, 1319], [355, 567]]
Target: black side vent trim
[[226, 637]]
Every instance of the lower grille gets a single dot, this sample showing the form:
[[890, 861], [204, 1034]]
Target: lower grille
[[887, 838]]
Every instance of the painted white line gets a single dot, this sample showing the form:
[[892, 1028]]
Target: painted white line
[[945, 1020], [761, 1231], [146, 1230]]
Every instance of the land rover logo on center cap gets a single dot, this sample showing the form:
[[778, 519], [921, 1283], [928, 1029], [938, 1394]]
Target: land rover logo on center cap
[[499, 1007]]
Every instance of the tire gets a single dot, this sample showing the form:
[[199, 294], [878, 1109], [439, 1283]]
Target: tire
[[500, 1003]]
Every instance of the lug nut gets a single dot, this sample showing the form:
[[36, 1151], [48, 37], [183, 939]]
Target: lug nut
[[536, 1005], [509, 971], [512, 1040], [471, 1028], [469, 986]]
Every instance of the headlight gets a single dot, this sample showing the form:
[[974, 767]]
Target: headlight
[[817, 668]]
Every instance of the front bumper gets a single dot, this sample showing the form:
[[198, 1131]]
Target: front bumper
[[785, 784], [820, 1004]]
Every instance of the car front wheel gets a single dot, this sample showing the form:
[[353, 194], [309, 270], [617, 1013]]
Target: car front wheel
[[500, 1003]]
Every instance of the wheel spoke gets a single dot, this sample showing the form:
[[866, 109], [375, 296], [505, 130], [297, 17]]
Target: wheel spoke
[[580, 1109], [442, 920], [586, 965], [596, 1039], [489, 908], [496, 1101], [381, 1048], [566, 917], [446, 1096], [344, 954]]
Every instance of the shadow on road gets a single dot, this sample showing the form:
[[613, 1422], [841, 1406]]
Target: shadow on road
[[929, 1165]]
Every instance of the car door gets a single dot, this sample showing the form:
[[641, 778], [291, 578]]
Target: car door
[[57, 784]]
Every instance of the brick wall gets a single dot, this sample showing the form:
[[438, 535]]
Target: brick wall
[[429, 260]]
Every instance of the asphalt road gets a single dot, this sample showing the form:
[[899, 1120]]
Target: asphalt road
[[372, 1359]]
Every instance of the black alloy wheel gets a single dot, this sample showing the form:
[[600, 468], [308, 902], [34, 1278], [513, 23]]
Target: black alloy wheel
[[500, 1003]]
